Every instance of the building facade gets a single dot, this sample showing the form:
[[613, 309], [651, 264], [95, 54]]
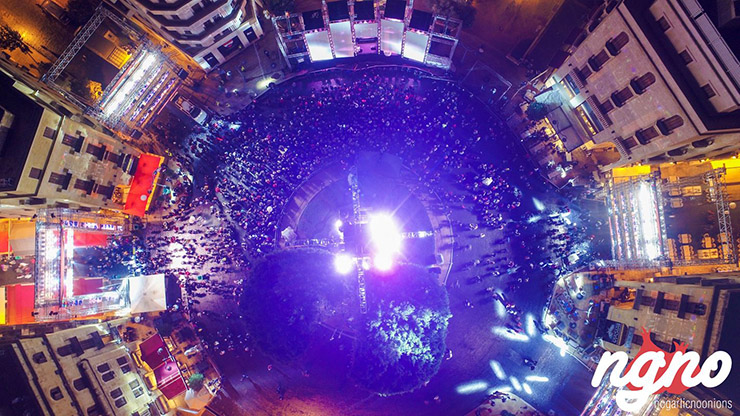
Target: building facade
[[87, 370], [652, 82], [209, 31], [51, 157]]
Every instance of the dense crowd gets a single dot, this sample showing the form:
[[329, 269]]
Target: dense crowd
[[272, 146], [247, 166]]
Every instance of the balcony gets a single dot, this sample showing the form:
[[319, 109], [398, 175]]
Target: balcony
[[166, 7], [195, 18], [211, 29]]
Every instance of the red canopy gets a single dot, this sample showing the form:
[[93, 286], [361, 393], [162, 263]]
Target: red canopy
[[83, 239], [142, 184], [87, 286], [19, 304], [4, 242], [154, 351], [169, 379]]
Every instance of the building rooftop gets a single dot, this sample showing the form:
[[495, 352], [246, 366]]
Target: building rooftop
[[26, 117]]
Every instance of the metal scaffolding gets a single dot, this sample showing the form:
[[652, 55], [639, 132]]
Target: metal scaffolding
[[715, 179], [101, 13]]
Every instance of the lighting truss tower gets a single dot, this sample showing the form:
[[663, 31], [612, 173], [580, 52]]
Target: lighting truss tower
[[719, 187], [358, 217], [101, 13]]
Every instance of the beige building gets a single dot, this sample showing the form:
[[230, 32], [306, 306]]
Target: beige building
[[84, 371], [209, 31], [651, 81], [51, 157], [696, 310]]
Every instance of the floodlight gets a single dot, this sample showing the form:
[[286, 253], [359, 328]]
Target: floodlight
[[383, 262], [343, 263], [384, 233]]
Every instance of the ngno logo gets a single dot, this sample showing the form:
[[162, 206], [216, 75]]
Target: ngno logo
[[654, 371]]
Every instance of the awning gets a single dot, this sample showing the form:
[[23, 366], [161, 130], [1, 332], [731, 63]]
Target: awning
[[84, 239], [87, 286], [18, 237], [147, 293], [19, 304], [142, 184], [154, 351], [169, 380]]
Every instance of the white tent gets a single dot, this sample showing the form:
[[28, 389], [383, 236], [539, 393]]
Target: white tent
[[147, 293]]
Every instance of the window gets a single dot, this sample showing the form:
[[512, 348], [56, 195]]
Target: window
[[597, 61], [121, 360], [80, 384], [570, 86], [686, 57], [103, 368], [629, 142], [668, 125], [49, 133], [120, 402], [116, 393], [108, 376], [643, 137], [583, 73], [73, 142], [679, 151], [94, 411], [703, 143], [60, 179], [35, 173], [125, 368], [56, 393], [620, 97], [39, 358], [138, 392], [615, 45], [134, 384], [708, 91], [606, 107], [588, 119], [664, 24], [640, 84]]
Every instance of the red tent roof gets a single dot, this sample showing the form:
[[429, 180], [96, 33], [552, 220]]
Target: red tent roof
[[19, 304], [169, 379], [87, 286], [4, 242], [174, 388], [83, 239], [142, 184], [154, 351]]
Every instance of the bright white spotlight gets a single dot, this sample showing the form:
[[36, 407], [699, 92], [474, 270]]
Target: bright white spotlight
[[472, 387], [338, 224], [497, 369], [343, 263], [384, 233], [526, 388], [383, 262], [504, 333], [515, 383]]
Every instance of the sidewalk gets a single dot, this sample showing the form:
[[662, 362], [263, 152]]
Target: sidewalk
[[233, 85], [508, 404]]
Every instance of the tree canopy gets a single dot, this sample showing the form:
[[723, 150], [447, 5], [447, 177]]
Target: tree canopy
[[402, 341], [286, 295], [11, 40]]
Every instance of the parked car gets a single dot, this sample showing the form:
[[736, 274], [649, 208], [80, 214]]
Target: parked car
[[55, 11], [193, 111]]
